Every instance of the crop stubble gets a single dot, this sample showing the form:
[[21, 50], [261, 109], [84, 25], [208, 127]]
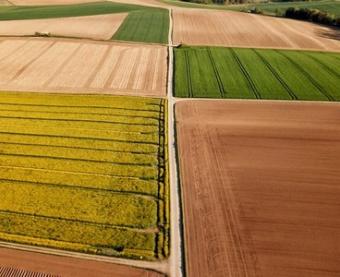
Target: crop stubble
[[82, 67], [260, 184], [101, 27], [221, 28]]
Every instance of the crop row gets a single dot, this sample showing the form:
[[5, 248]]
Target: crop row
[[103, 238], [250, 73], [82, 167], [79, 180], [96, 206]]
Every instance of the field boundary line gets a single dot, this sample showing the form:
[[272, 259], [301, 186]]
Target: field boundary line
[[277, 76], [308, 76], [217, 74], [246, 74]]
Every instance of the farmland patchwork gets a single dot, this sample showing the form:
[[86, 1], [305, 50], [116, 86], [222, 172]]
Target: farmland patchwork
[[84, 173]]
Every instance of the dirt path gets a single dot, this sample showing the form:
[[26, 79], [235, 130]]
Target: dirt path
[[177, 268], [261, 182]]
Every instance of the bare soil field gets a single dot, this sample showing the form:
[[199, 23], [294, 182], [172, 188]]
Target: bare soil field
[[49, 2], [101, 27], [261, 187], [64, 266], [151, 3], [227, 28], [82, 67]]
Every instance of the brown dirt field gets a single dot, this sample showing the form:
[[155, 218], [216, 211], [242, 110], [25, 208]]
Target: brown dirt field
[[226, 28], [65, 266], [82, 67], [101, 27], [261, 188], [151, 3]]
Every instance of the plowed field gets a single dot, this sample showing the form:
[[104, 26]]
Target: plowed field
[[261, 188], [94, 27], [27, 264], [204, 27], [73, 66]]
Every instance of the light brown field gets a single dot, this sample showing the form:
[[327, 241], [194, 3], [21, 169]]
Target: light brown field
[[261, 188], [101, 27], [82, 67], [65, 266], [226, 28], [49, 2]]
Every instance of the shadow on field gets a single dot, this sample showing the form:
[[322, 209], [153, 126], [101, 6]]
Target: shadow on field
[[331, 33]]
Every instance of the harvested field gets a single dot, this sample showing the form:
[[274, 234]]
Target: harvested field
[[143, 24], [94, 169], [49, 2], [216, 72], [29, 262], [82, 67], [261, 187], [223, 28], [101, 27]]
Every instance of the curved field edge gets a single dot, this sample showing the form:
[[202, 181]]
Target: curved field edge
[[143, 24], [257, 74], [58, 212]]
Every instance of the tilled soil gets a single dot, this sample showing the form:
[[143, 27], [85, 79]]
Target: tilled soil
[[21, 263], [261, 187], [82, 67], [226, 28]]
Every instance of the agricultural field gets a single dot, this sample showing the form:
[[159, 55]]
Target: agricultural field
[[260, 185], [273, 8], [76, 66], [14, 263], [211, 72], [84, 173], [143, 24], [99, 27], [234, 29]]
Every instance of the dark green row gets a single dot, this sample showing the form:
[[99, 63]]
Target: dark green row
[[211, 72]]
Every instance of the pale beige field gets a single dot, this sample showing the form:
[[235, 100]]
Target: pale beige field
[[82, 66], [226, 28], [261, 188], [101, 27], [49, 2]]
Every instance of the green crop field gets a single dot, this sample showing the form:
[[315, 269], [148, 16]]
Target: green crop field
[[143, 24], [84, 173], [146, 26], [213, 72]]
